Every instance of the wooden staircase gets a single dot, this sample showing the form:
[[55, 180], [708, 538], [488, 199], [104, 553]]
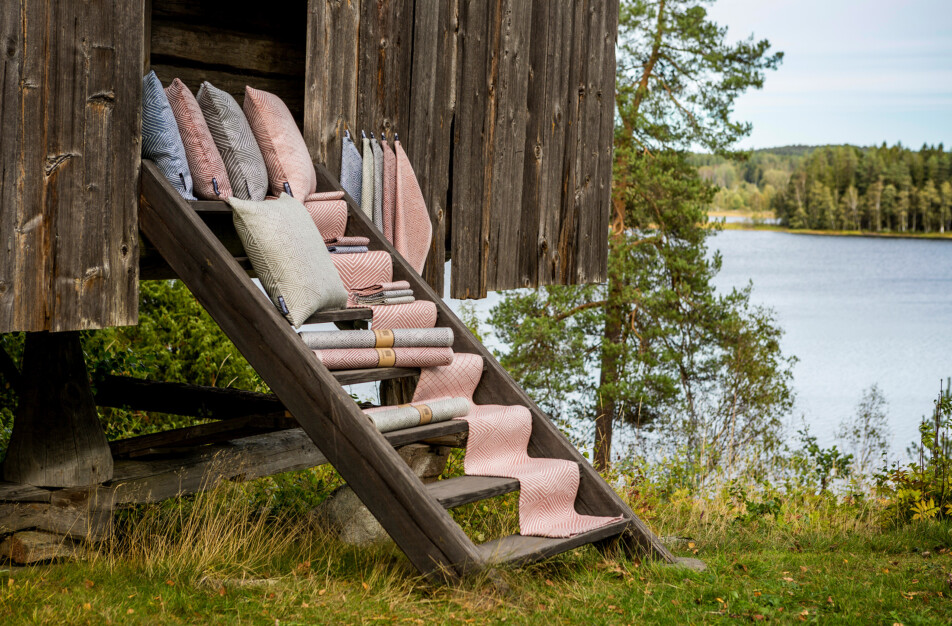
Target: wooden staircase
[[198, 243]]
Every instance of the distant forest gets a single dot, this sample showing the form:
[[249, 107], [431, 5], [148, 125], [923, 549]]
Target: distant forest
[[884, 188]]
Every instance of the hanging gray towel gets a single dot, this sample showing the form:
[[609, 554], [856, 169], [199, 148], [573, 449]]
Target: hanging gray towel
[[367, 180], [378, 183], [350, 168]]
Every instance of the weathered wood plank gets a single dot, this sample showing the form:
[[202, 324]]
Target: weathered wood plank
[[383, 66], [595, 497], [519, 550], [418, 524], [70, 154], [78, 522], [428, 139], [330, 94], [461, 490], [34, 546]]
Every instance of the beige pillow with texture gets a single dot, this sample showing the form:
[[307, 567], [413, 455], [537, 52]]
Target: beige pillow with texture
[[288, 254]]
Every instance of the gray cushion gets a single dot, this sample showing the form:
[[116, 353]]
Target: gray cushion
[[161, 140], [289, 256], [235, 142]]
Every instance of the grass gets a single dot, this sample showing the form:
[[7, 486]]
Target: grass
[[223, 558]]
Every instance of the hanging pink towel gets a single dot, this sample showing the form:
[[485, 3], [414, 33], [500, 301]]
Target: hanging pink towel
[[389, 189], [497, 446], [412, 230]]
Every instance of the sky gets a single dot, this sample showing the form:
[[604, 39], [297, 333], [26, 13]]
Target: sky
[[854, 71]]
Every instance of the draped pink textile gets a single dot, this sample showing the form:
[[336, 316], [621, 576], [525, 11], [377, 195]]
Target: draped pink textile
[[497, 446], [412, 230]]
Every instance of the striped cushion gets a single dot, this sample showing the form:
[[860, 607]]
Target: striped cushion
[[285, 154], [235, 142], [161, 141], [288, 254], [209, 178]]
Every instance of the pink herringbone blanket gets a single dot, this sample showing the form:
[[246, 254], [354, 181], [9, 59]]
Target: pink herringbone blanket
[[329, 214], [497, 446], [412, 230]]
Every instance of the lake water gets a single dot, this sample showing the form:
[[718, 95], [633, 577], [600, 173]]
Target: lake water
[[855, 311]]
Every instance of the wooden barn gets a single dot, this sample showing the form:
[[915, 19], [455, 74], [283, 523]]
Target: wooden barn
[[506, 110]]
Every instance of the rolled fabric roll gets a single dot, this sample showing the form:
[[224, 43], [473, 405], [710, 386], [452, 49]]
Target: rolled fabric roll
[[347, 241], [359, 358], [390, 338], [347, 249], [387, 419], [375, 289]]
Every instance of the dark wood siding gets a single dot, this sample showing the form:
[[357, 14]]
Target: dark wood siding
[[505, 108], [69, 147]]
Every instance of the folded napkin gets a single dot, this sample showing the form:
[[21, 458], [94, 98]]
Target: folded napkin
[[386, 301], [358, 358], [391, 418], [374, 289], [351, 166], [347, 249], [347, 241], [391, 338], [385, 296]]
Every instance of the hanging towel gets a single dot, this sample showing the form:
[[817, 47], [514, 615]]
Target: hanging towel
[[389, 188], [389, 418], [395, 338], [367, 181], [411, 225], [359, 358], [497, 446], [350, 168], [374, 289], [347, 241], [378, 183]]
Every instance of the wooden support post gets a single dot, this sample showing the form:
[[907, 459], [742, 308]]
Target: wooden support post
[[57, 440]]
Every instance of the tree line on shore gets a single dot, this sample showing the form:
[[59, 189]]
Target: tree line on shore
[[878, 189]]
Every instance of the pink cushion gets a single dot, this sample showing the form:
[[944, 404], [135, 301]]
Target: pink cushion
[[285, 153], [204, 161]]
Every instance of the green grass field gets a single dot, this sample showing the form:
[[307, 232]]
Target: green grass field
[[220, 558]]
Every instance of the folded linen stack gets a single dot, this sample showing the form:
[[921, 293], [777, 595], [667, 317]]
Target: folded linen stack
[[347, 245], [398, 292]]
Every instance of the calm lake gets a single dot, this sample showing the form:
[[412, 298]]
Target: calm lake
[[855, 311]]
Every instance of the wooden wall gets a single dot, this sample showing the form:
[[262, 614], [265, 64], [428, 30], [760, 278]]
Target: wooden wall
[[505, 109], [232, 43], [69, 163]]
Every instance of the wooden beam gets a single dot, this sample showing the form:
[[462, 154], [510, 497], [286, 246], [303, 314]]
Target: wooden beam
[[57, 440], [417, 523]]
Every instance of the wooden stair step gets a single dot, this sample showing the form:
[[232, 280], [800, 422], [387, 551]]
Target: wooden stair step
[[461, 490], [521, 550]]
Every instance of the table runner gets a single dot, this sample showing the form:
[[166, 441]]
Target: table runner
[[392, 338], [359, 358], [389, 418], [497, 446]]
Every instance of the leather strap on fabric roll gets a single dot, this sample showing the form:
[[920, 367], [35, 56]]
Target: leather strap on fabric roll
[[426, 413], [386, 357], [384, 338]]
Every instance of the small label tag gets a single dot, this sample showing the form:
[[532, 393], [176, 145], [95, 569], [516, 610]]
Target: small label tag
[[287, 189], [384, 338], [215, 186], [386, 357], [282, 305], [426, 413]]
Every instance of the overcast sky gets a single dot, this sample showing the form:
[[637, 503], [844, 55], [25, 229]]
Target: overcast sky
[[854, 71]]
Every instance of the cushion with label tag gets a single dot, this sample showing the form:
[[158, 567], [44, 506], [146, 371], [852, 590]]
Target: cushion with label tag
[[235, 142], [161, 141], [288, 254], [285, 154], [209, 178]]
